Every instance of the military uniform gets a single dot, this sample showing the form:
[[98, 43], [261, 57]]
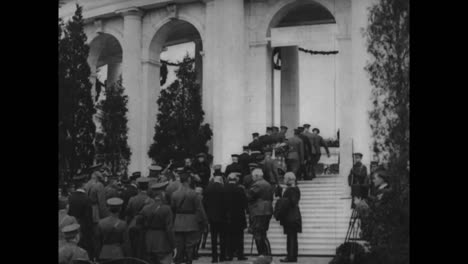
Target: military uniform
[[295, 154], [260, 197], [255, 145], [244, 160], [69, 250], [112, 234], [186, 205], [156, 220], [130, 190], [135, 204]]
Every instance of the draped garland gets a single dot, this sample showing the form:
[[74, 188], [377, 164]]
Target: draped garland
[[163, 69], [277, 54]]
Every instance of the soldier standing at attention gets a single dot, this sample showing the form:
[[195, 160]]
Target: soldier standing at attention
[[358, 176], [69, 249], [156, 219], [186, 206], [112, 233], [260, 197]]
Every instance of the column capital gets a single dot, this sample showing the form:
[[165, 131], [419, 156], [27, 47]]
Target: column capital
[[131, 11], [152, 62]]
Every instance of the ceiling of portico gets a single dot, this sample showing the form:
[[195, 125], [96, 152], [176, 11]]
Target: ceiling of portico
[[308, 14], [111, 51], [181, 32]]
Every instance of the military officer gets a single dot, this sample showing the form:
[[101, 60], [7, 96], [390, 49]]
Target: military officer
[[156, 220], [358, 177], [98, 197], [255, 145], [296, 152], [135, 204], [266, 139], [304, 167], [260, 197], [318, 143], [69, 249], [270, 168], [64, 218], [187, 208], [112, 233]]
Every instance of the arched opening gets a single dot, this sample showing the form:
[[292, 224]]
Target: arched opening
[[105, 61], [169, 44], [304, 83]]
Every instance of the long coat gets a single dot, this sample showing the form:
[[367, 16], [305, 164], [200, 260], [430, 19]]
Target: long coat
[[204, 172], [213, 199], [188, 208], [292, 222], [135, 204], [270, 170], [296, 149], [244, 160], [128, 192], [156, 219], [98, 199], [80, 208], [260, 197], [113, 239], [236, 206]]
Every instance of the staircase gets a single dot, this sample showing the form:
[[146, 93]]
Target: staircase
[[325, 219]]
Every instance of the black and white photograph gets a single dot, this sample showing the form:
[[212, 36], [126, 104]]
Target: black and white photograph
[[234, 131]]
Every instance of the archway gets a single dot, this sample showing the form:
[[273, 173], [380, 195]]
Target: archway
[[169, 37], [303, 87]]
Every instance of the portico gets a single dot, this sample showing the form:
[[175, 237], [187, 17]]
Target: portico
[[234, 42]]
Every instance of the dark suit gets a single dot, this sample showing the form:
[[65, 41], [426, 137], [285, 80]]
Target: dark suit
[[157, 223], [80, 208], [128, 192], [236, 206], [233, 167], [112, 237], [318, 142], [136, 235], [292, 222], [270, 170], [256, 145], [204, 172], [213, 199], [295, 154], [187, 208], [265, 140], [244, 160], [260, 197]]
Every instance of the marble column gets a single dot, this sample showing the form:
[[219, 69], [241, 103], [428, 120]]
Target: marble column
[[131, 76], [150, 92], [361, 87], [260, 89], [290, 88], [229, 83]]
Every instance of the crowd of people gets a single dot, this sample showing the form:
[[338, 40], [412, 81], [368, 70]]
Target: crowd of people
[[149, 217]]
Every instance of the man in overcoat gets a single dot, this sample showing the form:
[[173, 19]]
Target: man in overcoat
[[260, 198], [187, 208], [236, 207], [213, 199], [296, 152]]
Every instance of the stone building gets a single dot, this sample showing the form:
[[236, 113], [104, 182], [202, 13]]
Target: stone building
[[234, 43]]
